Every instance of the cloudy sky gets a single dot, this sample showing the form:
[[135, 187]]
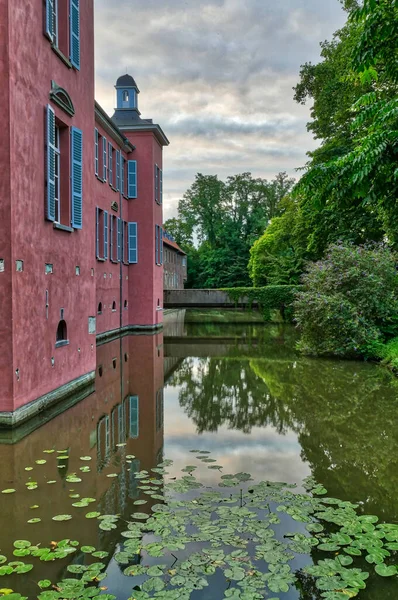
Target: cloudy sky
[[217, 75]]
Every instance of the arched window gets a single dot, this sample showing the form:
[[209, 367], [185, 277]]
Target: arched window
[[125, 304], [125, 96], [100, 308], [62, 334], [113, 305]]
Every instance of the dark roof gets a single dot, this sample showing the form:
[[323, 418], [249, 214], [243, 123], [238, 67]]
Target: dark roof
[[126, 81], [172, 244], [128, 119]]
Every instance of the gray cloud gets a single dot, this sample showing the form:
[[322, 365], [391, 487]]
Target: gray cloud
[[218, 76]]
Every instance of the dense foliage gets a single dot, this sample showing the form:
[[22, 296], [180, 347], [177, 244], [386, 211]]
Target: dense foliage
[[349, 304], [349, 188], [225, 218]]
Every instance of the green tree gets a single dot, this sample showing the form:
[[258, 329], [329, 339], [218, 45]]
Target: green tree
[[225, 218], [276, 257], [349, 303], [360, 183], [180, 232]]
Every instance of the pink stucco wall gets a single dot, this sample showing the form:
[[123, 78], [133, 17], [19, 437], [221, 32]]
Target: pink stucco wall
[[6, 361], [30, 363], [32, 66], [145, 278]]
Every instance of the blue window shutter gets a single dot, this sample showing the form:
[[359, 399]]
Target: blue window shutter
[[50, 19], [97, 219], [96, 146], [132, 179], [156, 183], [122, 166], [119, 239], [75, 33], [110, 163], [157, 244], [77, 177], [50, 164], [134, 417], [105, 164], [124, 241], [133, 243], [161, 244], [111, 236], [105, 234], [161, 186], [117, 169]]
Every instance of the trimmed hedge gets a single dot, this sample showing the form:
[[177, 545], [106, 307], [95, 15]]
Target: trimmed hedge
[[270, 297]]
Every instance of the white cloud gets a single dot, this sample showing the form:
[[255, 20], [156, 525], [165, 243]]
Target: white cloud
[[217, 75]]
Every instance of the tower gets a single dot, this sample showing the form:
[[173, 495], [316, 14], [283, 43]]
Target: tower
[[145, 279], [127, 94]]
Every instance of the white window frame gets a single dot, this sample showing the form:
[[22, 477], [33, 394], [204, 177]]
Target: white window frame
[[55, 23]]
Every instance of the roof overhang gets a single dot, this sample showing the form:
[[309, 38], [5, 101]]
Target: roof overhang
[[114, 132], [150, 127]]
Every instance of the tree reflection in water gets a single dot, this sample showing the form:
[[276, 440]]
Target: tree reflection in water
[[344, 414]]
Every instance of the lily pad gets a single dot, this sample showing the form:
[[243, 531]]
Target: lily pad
[[62, 518]]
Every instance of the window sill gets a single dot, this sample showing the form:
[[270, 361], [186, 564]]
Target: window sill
[[62, 56], [100, 179], [113, 188], [62, 343], [62, 227], [101, 259], [115, 262], [159, 309]]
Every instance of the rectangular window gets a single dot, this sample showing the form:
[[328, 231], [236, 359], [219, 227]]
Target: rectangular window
[[132, 182], [77, 177], [134, 417], [55, 22], [110, 164], [156, 184], [96, 146], [106, 234], [157, 244], [75, 33], [101, 233], [133, 243], [118, 170], [51, 151], [125, 243], [121, 417], [119, 239], [57, 177], [104, 159], [122, 178], [159, 409]]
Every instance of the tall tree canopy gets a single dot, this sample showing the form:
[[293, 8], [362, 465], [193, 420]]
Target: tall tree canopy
[[349, 188], [225, 218]]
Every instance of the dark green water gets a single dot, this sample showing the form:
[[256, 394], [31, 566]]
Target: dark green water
[[239, 391]]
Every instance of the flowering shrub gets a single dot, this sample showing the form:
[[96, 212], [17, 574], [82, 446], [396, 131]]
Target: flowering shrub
[[349, 304]]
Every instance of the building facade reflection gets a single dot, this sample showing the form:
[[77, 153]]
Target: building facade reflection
[[123, 418]]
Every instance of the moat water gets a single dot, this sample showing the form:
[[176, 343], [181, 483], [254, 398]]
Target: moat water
[[240, 392]]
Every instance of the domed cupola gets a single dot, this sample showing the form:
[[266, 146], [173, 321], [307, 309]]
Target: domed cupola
[[127, 92]]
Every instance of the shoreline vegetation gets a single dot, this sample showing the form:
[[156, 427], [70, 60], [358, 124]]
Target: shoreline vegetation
[[335, 230]]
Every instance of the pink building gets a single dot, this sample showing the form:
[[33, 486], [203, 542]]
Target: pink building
[[81, 248]]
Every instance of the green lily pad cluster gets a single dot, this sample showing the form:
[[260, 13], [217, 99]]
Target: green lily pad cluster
[[197, 532]]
